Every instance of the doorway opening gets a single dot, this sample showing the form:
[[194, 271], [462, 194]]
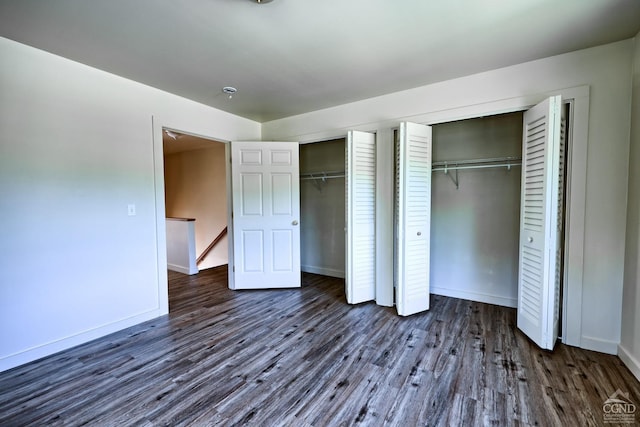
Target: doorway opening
[[322, 208], [475, 208], [195, 202], [475, 214]]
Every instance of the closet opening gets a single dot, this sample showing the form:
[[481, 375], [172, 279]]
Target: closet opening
[[195, 194], [475, 209], [322, 208]]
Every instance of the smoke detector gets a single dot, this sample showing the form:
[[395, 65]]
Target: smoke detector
[[229, 90]]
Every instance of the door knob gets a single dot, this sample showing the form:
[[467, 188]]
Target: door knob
[[419, 233], [530, 239], [294, 222]]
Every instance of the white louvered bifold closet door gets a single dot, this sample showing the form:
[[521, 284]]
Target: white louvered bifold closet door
[[413, 218], [360, 178], [541, 223]]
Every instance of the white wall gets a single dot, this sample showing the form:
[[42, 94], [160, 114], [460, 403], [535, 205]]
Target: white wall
[[322, 210], [629, 349], [181, 245], [607, 71], [475, 228], [77, 148]]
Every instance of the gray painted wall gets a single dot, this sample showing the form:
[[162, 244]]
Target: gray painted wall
[[322, 210], [194, 188], [475, 229]]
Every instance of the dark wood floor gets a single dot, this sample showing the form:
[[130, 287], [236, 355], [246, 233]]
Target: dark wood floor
[[305, 358]]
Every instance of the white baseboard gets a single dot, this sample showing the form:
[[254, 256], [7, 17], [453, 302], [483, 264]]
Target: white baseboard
[[331, 272], [597, 344], [38, 352], [629, 360], [181, 269], [475, 296]]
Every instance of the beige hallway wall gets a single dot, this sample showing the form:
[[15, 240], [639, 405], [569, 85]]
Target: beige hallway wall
[[195, 187]]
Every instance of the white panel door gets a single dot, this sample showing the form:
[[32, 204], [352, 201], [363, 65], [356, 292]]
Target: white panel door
[[266, 211], [360, 178], [413, 218], [541, 222]]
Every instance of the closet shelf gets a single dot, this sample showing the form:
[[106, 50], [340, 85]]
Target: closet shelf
[[455, 165]]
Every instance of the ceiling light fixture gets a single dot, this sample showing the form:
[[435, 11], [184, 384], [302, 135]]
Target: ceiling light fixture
[[229, 90], [263, 1]]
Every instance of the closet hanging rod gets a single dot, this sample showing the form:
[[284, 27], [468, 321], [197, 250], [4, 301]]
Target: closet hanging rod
[[305, 178], [449, 167], [478, 161], [321, 175], [456, 165]]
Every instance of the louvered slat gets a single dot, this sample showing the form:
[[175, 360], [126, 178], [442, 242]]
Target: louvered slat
[[534, 155], [531, 277]]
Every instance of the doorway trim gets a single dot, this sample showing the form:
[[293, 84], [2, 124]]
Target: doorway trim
[[158, 124]]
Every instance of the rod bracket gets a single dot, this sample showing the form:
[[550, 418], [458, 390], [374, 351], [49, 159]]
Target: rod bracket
[[454, 180]]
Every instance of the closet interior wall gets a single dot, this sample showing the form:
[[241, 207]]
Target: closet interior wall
[[475, 227], [322, 208]]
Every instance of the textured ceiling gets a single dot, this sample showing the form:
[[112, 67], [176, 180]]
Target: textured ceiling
[[293, 56]]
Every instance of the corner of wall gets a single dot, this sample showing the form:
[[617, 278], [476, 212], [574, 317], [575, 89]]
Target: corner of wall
[[630, 361], [629, 348]]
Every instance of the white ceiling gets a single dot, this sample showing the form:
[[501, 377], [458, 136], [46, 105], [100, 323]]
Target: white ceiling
[[293, 56]]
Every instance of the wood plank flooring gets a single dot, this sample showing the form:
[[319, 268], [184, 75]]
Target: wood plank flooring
[[304, 357]]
